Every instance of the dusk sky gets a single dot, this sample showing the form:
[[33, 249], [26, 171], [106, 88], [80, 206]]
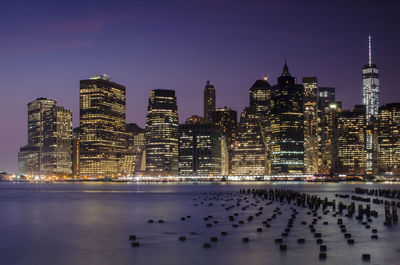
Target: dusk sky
[[48, 46]]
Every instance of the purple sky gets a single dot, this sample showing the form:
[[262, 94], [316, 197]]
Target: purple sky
[[48, 46]]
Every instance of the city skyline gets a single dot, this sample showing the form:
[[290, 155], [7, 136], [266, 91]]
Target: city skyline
[[47, 72]]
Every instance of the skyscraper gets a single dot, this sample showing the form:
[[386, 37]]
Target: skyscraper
[[57, 142], [36, 111], [249, 153], [370, 79], [351, 127], [102, 125], [260, 100], [162, 133], [209, 101], [226, 119], [287, 126], [389, 138], [49, 146], [328, 136], [328, 110], [310, 125], [200, 148]]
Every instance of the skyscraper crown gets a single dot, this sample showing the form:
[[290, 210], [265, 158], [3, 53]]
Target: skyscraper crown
[[285, 70]]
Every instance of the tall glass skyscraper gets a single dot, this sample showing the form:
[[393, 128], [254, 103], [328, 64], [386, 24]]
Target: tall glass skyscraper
[[370, 79], [162, 133], [102, 125]]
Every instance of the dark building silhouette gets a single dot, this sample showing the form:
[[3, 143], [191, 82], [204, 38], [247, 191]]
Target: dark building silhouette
[[287, 126], [209, 101], [200, 148]]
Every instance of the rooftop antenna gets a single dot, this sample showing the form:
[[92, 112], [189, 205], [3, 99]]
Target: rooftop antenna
[[369, 51]]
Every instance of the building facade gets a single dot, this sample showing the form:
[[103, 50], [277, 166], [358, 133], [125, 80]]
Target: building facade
[[351, 126], [249, 152], [287, 126], [370, 82], [200, 149], [29, 161], [49, 149], [389, 138], [260, 100], [102, 125], [226, 119], [162, 133], [209, 101], [310, 108], [328, 114], [57, 142]]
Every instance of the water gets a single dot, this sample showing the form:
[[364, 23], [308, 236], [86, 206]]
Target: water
[[89, 223]]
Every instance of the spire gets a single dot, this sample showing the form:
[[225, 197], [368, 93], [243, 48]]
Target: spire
[[208, 82], [369, 51], [285, 70]]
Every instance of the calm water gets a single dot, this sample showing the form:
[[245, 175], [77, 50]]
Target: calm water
[[89, 223]]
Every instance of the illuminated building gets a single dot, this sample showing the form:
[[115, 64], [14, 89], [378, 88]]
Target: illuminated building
[[328, 136], [226, 119], [135, 137], [48, 151], [130, 162], [57, 142], [195, 120], [260, 100], [162, 133], [326, 95], [351, 127], [389, 138], [75, 151], [200, 148], [29, 160], [209, 101], [310, 125], [36, 110], [370, 80], [249, 154], [102, 125], [287, 126]]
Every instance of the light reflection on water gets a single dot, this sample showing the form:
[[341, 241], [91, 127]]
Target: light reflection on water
[[89, 223]]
